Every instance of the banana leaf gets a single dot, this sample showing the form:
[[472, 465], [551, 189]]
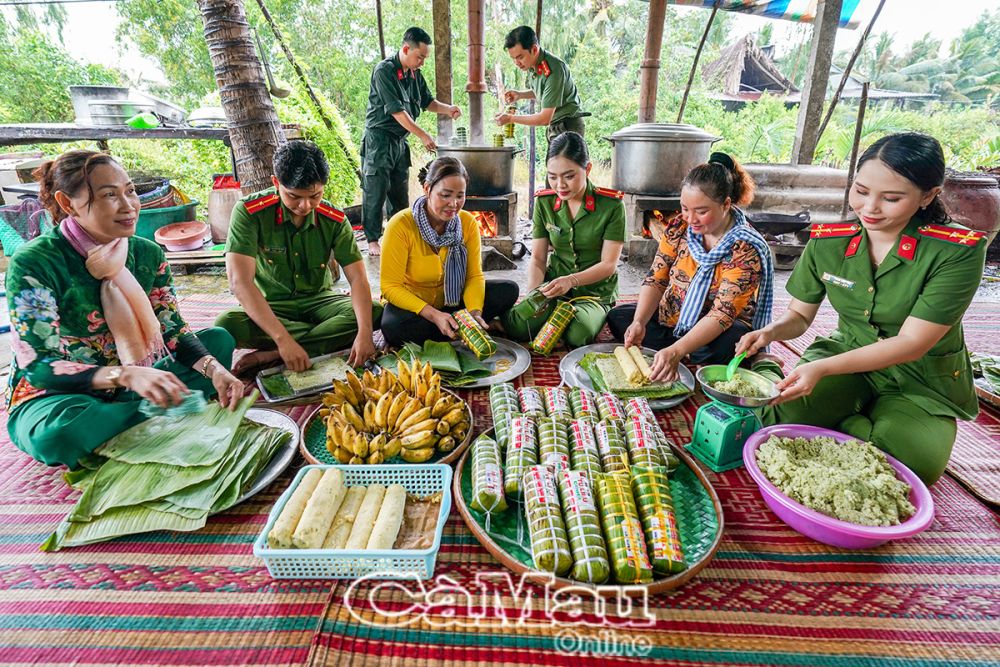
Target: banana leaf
[[457, 367], [605, 374], [115, 523]]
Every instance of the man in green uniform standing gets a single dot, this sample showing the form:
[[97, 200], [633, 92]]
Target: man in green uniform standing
[[277, 255], [396, 97], [550, 82]]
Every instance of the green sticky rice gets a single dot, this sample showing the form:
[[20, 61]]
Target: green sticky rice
[[851, 481], [738, 386]]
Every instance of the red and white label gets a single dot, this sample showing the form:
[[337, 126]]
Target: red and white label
[[612, 408], [583, 436]]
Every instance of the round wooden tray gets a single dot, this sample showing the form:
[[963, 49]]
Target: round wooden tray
[[312, 444], [691, 520]]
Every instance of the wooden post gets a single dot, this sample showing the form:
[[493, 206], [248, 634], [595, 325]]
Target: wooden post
[[650, 68], [381, 33], [847, 70], [476, 87], [817, 76], [694, 65], [442, 63], [532, 137], [858, 125], [253, 123]]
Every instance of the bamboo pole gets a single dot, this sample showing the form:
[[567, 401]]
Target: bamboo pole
[[650, 68], [859, 124], [442, 63], [847, 70], [697, 57], [532, 137]]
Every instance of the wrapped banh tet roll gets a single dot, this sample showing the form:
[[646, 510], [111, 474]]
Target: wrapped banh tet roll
[[487, 476], [629, 369], [609, 407], [584, 404], [550, 549], [639, 407], [364, 522], [640, 361], [611, 447], [532, 401], [557, 402], [553, 444], [651, 490], [317, 517], [622, 530], [643, 446], [583, 454], [503, 404], [522, 453], [583, 527], [474, 335], [551, 332], [280, 536]]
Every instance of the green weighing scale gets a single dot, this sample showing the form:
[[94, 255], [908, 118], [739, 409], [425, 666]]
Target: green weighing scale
[[722, 425]]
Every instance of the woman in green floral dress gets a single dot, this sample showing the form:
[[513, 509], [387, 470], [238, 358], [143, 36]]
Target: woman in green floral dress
[[95, 325]]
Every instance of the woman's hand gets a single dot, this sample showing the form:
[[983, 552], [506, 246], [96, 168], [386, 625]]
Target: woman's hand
[[754, 341], [558, 287], [445, 323], [478, 316], [161, 388], [801, 381], [227, 386], [635, 334], [665, 362]]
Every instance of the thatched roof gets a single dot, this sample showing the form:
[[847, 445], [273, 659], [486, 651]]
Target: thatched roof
[[742, 67]]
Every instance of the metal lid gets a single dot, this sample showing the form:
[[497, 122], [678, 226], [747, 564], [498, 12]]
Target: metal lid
[[663, 132]]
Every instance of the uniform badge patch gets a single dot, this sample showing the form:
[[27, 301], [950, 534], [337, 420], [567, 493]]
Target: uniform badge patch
[[831, 279]]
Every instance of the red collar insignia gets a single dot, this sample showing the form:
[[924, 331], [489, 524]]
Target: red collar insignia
[[557, 205], [907, 247], [280, 215], [852, 247], [589, 203], [543, 68], [400, 74]]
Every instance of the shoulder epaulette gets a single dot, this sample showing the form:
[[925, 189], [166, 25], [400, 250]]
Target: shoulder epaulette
[[957, 235], [260, 203], [608, 192], [828, 231], [544, 193], [331, 212]]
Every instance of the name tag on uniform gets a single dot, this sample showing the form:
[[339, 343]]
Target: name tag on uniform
[[831, 279], [553, 230]]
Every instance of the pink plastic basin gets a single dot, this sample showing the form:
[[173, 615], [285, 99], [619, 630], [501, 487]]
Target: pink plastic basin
[[181, 236], [821, 527]]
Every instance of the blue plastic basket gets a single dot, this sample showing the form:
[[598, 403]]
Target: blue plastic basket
[[419, 480]]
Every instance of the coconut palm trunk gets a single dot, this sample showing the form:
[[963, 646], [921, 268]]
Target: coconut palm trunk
[[254, 129]]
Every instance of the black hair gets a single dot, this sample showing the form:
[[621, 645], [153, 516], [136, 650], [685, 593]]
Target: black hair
[[300, 164], [522, 35], [437, 170], [415, 36], [70, 174], [571, 146], [916, 157], [721, 178]]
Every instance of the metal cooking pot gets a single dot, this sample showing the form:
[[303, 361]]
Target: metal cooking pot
[[653, 158], [491, 170]]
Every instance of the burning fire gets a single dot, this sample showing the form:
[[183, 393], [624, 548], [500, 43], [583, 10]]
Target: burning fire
[[487, 223], [653, 219]]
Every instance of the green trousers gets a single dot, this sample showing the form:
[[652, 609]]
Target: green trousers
[[63, 428], [320, 323], [386, 163], [519, 323], [865, 408]]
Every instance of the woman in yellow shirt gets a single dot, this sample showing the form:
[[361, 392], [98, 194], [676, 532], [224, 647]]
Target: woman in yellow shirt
[[432, 263]]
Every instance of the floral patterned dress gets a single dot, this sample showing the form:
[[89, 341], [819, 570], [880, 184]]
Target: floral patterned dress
[[59, 335]]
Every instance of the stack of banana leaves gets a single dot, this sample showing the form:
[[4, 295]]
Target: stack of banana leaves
[[988, 367], [167, 473], [457, 367], [606, 374]]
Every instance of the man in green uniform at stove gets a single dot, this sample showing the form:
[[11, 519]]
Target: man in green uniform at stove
[[551, 85], [277, 259], [396, 97]]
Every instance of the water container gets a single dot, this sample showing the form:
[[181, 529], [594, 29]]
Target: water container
[[221, 200]]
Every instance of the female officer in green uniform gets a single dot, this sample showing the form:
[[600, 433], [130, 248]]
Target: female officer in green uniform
[[896, 371], [585, 228]]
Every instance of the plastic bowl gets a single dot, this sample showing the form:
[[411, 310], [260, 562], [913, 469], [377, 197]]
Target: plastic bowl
[[821, 527], [182, 236]]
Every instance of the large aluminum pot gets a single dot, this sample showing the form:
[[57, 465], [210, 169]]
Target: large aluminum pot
[[491, 170], [653, 158]]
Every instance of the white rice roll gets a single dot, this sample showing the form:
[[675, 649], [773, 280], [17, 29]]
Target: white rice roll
[[365, 520], [390, 518], [318, 515], [344, 521], [280, 536]]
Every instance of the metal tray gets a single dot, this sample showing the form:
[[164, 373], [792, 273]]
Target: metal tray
[[282, 458], [574, 376], [519, 357], [270, 398]]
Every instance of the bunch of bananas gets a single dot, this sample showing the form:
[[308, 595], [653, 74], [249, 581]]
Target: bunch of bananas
[[372, 419]]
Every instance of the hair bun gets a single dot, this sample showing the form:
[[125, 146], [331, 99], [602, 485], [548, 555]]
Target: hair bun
[[719, 157], [422, 173]]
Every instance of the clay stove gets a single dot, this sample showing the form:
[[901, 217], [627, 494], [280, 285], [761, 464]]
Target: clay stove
[[497, 217]]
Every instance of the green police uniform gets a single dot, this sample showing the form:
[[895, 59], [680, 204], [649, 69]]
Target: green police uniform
[[908, 410], [292, 273], [576, 245], [384, 151], [553, 87]]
